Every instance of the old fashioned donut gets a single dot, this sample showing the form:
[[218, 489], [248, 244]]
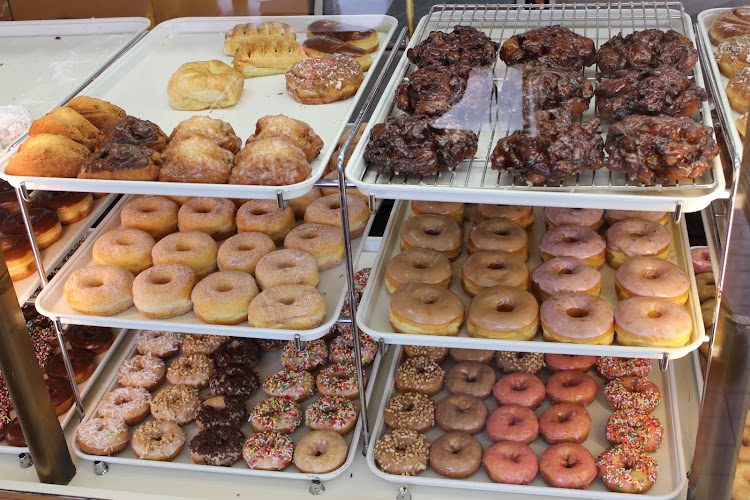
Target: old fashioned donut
[[456, 455], [461, 413], [327, 210], [452, 210], [126, 248], [437, 354], [560, 362], [422, 265], [325, 243], [478, 355], [706, 286], [159, 344], [291, 307], [94, 339], [194, 249], [163, 291], [19, 258], [144, 371], [634, 428], [403, 452], [520, 388], [573, 241], [276, 414], [213, 216], [221, 411], [264, 216], [568, 465], [499, 234], [489, 268], [339, 379], [470, 377], [268, 451], [636, 238], [652, 277], [565, 423], [510, 462], [513, 423], [589, 217], [565, 274], [436, 232], [193, 370], [312, 356], [156, 215], [242, 251], [99, 290], [177, 403], [649, 321], [420, 374], [571, 386], [632, 393], [129, 404], [512, 361], [218, 446], [223, 298], [238, 381], [82, 362], [287, 267], [102, 436], [627, 469], [320, 80], [45, 225], [297, 385], [320, 452], [69, 207], [157, 440], [410, 410], [419, 308], [503, 312], [579, 318], [520, 214], [611, 368], [335, 413]]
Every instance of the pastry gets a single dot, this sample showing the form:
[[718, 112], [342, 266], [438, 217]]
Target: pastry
[[100, 113], [244, 33], [48, 155], [270, 162], [14, 122], [359, 36], [551, 44], [320, 80], [318, 46], [464, 43], [219, 132], [204, 84], [733, 54], [297, 132], [196, 159], [646, 49], [67, 122], [738, 90], [131, 130], [264, 56], [729, 24], [122, 162]]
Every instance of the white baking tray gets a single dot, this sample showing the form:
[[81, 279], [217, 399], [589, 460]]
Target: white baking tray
[[51, 302], [137, 82], [670, 481], [84, 388], [269, 364], [475, 180], [54, 254], [372, 314]]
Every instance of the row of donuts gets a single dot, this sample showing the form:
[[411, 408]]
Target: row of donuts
[[513, 425]]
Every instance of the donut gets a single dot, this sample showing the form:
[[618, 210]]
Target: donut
[[472, 378], [737, 91], [419, 374], [560, 362], [334, 175], [291, 307], [499, 234], [8, 198], [19, 258], [708, 308], [320, 80], [565, 423], [503, 312], [193, 370], [571, 386], [325, 243], [14, 434], [437, 354], [565, 274], [338, 380], [521, 389], [636, 238], [99, 290], [270, 345], [286, 267], [334, 413], [129, 404], [732, 55], [44, 223], [176, 403], [456, 455], [654, 322], [652, 277], [126, 248], [410, 410], [353, 34], [613, 216], [297, 385], [193, 249], [204, 344], [626, 469], [223, 298], [591, 218], [312, 356], [144, 371], [159, 344], [701, 260], [578, 318], [422, 265], [512, 361], [632, 393], [268, 451], [510, 462], [567, 465], [573, 241], [403, 452], [219, 446], [461, 413], [327, 210], [242, 251], [491, 268], [300, 204], [451, 209], [342, 349], [423, 309], [706, 286], [69, 207], [238, 381], [157, 440], [213, 216], [93, 339], [264, 216], [221, 411], [520, 214], [634, 428], [237, 352], [611, 368], [320, 452], [512, 423], [156, 215], [82, 363], [102, 436], [478, 355], [276, 414], [60, 393], [729, 24], [163, 291], [436, 232]]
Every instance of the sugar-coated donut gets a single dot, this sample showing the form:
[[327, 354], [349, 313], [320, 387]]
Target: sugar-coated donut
[[648, 321], [565, 423], [213, 216], [452, 210], [520, 388], [291, 307], [299, 205], [223, 298], [589, 217], [455, 455], [520, 214], [320, 452], [102, 436], [512, 422], [286, 267], [419, 308], [334, 413], [510, 462], [130, 404], [403, 452], [163, 291], [461, 413], [177, 403], [327, 210], [565, 274], [489, 268], [264, 216], [571, 386], [194, 249], [578, 318], [126, 248], [626, 469], [499, 234], [573, 241], [144, 371], [99, 290], [418, 264], [420, 374], [156, 215], [157, 440], [268, 451], [436, 232], [410, 410], [470, 377], [652, 277], [568, 465], [503, 312], [242, 251], [636, 238]]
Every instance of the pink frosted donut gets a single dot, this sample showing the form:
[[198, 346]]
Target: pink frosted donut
[[512, 423], [613, 216], [571, 386], [636, 238], [652, 322], [565, 274], [577, 318], [701, 260], [559, 362], [573, 241], [568, 465], [565, 423], [589, 217], [510, 463], [522, 388], [652, 277]]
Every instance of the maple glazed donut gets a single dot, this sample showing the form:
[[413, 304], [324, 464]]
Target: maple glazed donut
[[632, 393], [157, 440], [513, 423], [435, 232], [403, 452], [578, 318], [420, 374], [126, 248], [653, 322], [325, 243], [510, 462], [503, 312], [334, 413], [636, 238], [102, 436], [99, 290], [194, 249], [571, 386], [568, 465], [573, 241], [520, 214], [422, 265], [286, 267], [627, 469], [264, 216], [489, 268], [614, 216], [163, 291], [499, 234], [589, 217], [461, 413], [652, 277], [470, 377], [289, 307], [635, 428], [520, 388], [320, 80], [144, 371], [422, 309], [450, 209], [242, 252], [560, 362], [213, 216], [320, 452], [156, 215], [456, 455], [223, 298], [45, 225], [410, 410], [565, 274], [565, 423], [513, 362], [130, 404]]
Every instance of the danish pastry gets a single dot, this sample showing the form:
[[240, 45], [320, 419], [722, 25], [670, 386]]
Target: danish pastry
[[131, 130], [244, 33], [48, 155], [67, 122], [359, 36], [100, 113], [204, 84], [297, 132], [320, 80], [270, 162], [196, 159], [738, 90], [266, 56]]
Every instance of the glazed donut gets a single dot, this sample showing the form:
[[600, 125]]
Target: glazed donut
[[561, 362], [648, 321], [455, 455], [512, 423], [568, 465], [102, 436], [565, 274], [503, 312], [81, 361], [204, 344], [194, 249], [144, 371], [276, 414], [571, 386], [452, 210], [157, 440], [589, 217], [93, 339], [320, 452], [221, 411], [626, 469], [493, 267], [163, 291], [264, 216], [652, 277], [565, 423], [729, 24], [437, 354], [520, 389], [707, 313], [290, 307], [614, 216], [478, 355], [333, 413], [126, 248], [312, 356], [238, 381], [520, 214], [706, 286], [472, 378], [129, 404], [628, 392], [268, 451], [578, 318], [156, 215], [461, 413], [573, 241], [300, 204], [732, 55], [327, 210], [510, 463], [99, 290], [69, 207], [435, 232], [499, 234], [218, 446], [242, 251], [410, 410], [339, 380], [422, 265], [420, 374], [238, 352], [320, 80], [176, 403], [287, 267], [213, 216], [636, 238], [701, 258], [325, 243], [403, 452], [193, 370], [634, 428], [512, 361], [223, 298], [44, 223], [19, 258], [297, 385], [423, 309], [342, 349]]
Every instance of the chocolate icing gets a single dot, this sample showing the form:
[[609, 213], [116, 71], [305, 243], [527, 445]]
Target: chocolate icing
[[118, 157], [217, 445], [339, 31], [131, 130]]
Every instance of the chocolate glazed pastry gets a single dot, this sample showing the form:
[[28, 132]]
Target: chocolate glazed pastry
[[237, 352], [540, 86], [234, 381], [465, 43], [131, 130], [644, 49], [220, 445], [122, 162], [552, 45]]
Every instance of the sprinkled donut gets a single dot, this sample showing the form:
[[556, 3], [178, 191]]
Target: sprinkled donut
[[627, 469], [611, 367], [634, 428], [342, 348], [333, 413], [276, 414], [268, 451], [339, 380], [632, 393], [410, 410], [297, 385], [312, 356]]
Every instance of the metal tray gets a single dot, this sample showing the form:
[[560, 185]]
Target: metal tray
[[138, 81], [372, 314], [51, 302], [669, 484], [269, 364], [84, 388], [475, 180]]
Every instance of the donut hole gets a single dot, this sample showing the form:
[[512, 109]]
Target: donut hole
[[287, 301], [223, 288], [183, 246], [654, 314], [420, 264], [95, 283], [433, 231], [501, 232], [635, 233], [495, 265], [505, 307], [245, 248], [576, 312], [569, 239], [564, 271], [650, 274], [429, 299], [161, 280]]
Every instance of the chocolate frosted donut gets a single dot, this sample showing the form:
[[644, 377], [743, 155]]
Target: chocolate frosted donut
[[94, 339], [270, 345], [82, 363], [61, 394], [221, 411], [131, 130], [461, 413], [512, 362], [219, 445], [456, 455], [234, 381], [235, 352]]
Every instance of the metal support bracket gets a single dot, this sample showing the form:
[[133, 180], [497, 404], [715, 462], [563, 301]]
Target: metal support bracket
[[677, 214], [297, 342], [316, 487], [371, 202], [24, 198], [280, 199], [25, 461], [100, 468], [59, 330], [664, 362], [381, 346], [403, 493]]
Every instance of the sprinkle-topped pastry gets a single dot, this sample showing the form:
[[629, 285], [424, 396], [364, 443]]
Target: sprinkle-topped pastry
[[611, 367], [311, 357], [268, 451], [334, 413], [278, 414], [634, 428], [626, 469], [631, 392], [320, 80]]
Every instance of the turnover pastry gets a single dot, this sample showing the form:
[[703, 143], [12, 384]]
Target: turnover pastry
[[67, 122], [196, 159], [204, 84], [124, 162], [100, 113], [131, 130], [297, 132], [646, 49], [318, 46], [729, 24], [48, 155], [249, 32], [266, 56], [360, 36], [219, 132], [320, 80], [272, 161]]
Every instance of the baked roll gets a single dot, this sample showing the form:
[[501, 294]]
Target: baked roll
[[131, 130], [318, 46], [244, 33], [266, 56], [124, 162], [219, 132], [320, 80], [729, 24], [204, 84], [297, 132], [99, 113], [270, 162], [196, 159], [48, 155], [67, 122]]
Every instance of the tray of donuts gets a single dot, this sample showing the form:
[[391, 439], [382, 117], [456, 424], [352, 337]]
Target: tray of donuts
[[529, 423], [479, 283], [90, 349], [243, 406], [291, 270]]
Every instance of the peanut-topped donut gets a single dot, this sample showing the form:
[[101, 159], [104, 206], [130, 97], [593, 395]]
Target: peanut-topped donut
[[192, 370], [503, 312], [286, 267], [156, 215], [636, 238], [573, 241], [648, 321], [410, 410], [493, 267], [418, 264], [126, 248], [420, 374], [578, 318], [404, 452], [99, 290], [589, 217], [520, 214], [514, 362], [178, 403], [565, 274], [419, 308], [437, 354], [213, 216], [499, 234], [436, 232], [652, 277], [290, 307], [194, 249], [264, 216]]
